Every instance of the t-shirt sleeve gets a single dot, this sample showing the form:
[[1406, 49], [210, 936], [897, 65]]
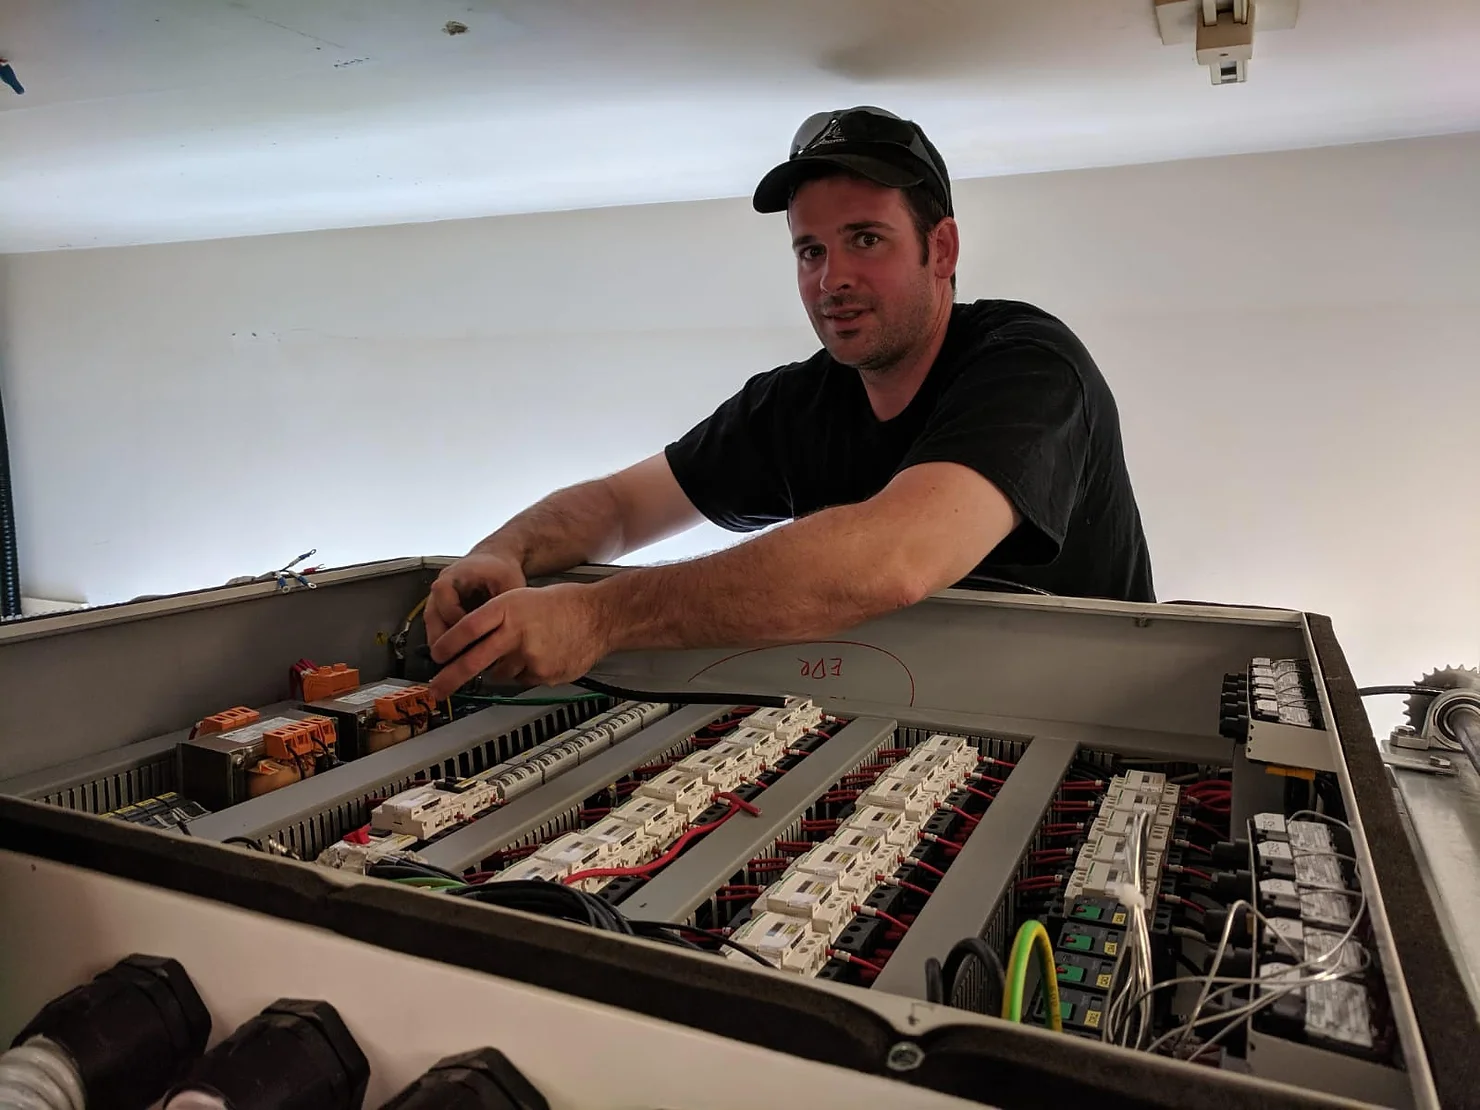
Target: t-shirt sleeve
[[728, 464], [1016, 417]]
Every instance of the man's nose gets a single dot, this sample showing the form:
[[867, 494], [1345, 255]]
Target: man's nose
[[837, 274]]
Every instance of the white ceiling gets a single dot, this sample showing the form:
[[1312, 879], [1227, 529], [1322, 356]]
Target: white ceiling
[[160, 120]]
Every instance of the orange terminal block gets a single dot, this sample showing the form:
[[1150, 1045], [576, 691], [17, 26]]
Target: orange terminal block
[[330, 681], [300, 738], [412, 703], [226, 720]]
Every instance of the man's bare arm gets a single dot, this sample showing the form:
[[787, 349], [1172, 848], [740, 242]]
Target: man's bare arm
[[597, 521], [804, 581], [592, 522], [819, 575]]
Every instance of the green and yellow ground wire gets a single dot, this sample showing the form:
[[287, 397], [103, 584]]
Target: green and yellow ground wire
[[1032, 937]]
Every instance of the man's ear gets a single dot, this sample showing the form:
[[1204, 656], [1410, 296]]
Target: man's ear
[[945, 247]]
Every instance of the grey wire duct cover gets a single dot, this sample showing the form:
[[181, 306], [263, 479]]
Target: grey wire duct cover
[[10, 570]]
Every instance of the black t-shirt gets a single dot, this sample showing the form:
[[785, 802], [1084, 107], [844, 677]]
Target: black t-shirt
[[1013, 395]]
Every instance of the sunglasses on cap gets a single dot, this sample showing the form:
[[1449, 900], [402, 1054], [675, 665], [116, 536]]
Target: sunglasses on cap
[[888, 135]]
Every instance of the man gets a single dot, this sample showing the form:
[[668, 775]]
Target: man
[[927, 440]]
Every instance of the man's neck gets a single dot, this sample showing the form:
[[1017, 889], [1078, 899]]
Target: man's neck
[[890, 391]]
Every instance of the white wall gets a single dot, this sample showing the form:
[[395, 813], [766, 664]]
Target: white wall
[[1292, 338]]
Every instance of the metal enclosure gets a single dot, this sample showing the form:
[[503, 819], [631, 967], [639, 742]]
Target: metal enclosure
[[1055, 676]]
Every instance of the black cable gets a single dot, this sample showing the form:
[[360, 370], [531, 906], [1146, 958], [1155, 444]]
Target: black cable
[[718, 938], [246, 841], [409, 869], [935, 984], [992, 969], [1372, 691], [691, 697], [550, 900]]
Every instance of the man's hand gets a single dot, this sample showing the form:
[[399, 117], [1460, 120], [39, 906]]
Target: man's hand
[[465, 585], [535, 636]]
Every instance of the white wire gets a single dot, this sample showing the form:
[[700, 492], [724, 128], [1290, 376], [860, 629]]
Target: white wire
[[1276, 989]]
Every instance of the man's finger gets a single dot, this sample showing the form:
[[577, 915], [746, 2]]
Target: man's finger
[[443, 609], [474, 660], [477, 624]]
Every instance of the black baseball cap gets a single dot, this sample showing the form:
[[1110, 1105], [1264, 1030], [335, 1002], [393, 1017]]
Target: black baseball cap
[[868, 141]]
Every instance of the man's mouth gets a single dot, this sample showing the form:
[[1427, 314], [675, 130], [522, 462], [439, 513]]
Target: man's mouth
[[844, 315]]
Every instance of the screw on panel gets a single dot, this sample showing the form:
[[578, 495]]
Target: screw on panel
[[904, 1056]]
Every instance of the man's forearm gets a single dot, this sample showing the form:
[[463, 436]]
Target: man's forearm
[[808, 579], [579, 524]]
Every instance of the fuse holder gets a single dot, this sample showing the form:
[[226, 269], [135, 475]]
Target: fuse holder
[[329, 682], [409, 704], [236, 717]]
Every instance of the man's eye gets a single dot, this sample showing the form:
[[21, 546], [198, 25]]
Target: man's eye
[[867, 239], [810, 253]]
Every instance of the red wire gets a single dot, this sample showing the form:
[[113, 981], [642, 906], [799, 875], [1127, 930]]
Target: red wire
[[852, 959], [928, 868], [1196, 847], [760, 861], [911, 887], [1216, 807], [990, 779], [645, 870], [957, 809], [1205, 826], [1188, 902], [1196, 873], [995, 762], [882, 916], [982, 794]]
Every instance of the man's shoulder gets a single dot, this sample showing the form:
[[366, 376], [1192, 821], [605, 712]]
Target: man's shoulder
[[792, 378], [1005, 323]]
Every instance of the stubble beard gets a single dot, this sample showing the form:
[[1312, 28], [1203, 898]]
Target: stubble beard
[[895, 339]]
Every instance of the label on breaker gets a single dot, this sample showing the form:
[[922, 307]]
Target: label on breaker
[[250, 734], [1318, 907], [1350, 958], [368, 694], [1339, 1010], [1319, 871], [1309, 836]]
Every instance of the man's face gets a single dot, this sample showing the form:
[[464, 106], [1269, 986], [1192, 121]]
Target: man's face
[[868, 295]]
